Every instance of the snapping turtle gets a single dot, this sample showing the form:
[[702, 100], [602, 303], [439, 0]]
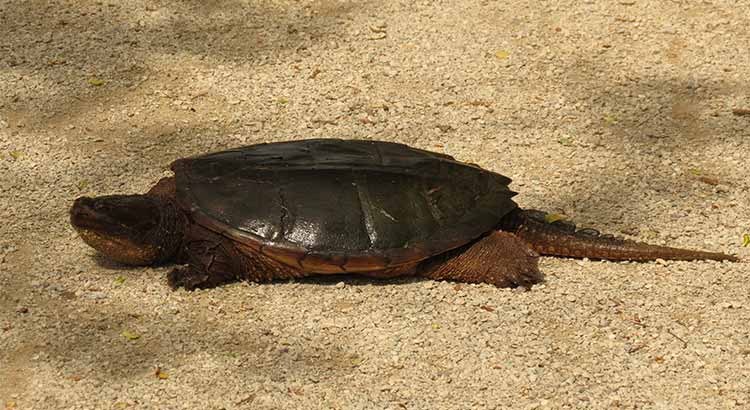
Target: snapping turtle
[[327, 206]]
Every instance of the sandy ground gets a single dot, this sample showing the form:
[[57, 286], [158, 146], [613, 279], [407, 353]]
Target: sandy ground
[[616, 113]]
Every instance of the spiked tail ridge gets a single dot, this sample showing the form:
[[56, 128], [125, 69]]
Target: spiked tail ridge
[[563, 239]]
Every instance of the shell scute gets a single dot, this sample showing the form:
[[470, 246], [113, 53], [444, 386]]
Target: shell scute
[[331, 205]]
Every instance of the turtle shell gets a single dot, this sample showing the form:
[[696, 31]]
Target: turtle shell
[[332, 206]]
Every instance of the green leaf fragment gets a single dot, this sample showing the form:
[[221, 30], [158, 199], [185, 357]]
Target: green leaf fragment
[[609, 119], [552, 218], [130, 335], [745, 240], [119, 280], [502, 54], [566, 141], [16, 154], [695, 171], [82, 185], [282, 101], [96, 82]]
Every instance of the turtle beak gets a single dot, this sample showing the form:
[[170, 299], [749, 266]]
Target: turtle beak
[[83, 214]]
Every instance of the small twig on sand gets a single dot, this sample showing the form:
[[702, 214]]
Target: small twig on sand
[[647, 119], [684, 343], [741, 111], [635, 348]]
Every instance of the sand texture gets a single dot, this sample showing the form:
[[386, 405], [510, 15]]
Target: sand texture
[[626, 116]]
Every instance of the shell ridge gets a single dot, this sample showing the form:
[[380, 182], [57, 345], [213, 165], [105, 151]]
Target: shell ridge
[[432, 205], [283, 223], [379, 154], [365, 206]]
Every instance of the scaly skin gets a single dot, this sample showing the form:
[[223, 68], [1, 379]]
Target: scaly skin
[[564, 240]]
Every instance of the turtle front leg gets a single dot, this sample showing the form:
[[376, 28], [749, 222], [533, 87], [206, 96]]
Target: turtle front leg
[[500, 258], [214, 260], [208, 266], [211, 261], [188, 277]]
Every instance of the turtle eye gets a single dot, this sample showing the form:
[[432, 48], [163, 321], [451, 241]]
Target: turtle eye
[[136, 212]]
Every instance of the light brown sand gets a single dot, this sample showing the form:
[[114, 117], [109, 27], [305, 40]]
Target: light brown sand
[[616, 113]]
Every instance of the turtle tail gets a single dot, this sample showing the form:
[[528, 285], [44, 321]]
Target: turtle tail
[[562, 238]]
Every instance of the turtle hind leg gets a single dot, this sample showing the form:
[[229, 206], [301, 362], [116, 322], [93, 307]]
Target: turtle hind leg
[[500, 258]]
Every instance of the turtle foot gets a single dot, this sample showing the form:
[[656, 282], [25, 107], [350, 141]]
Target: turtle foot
[[188, 278]]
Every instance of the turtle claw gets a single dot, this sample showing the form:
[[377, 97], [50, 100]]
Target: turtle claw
[[188, 278]]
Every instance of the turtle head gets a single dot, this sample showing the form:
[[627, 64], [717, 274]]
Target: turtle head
[[130, 229]]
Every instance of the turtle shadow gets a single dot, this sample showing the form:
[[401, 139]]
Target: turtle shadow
[[675, 125], [110, 265], [356, 280], [118, 342], [110, 50], [352, 279]]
